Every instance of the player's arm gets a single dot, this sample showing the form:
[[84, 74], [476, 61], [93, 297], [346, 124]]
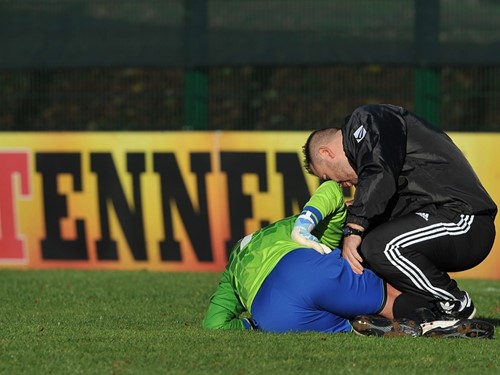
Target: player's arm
[[326, 200], [225, 308]]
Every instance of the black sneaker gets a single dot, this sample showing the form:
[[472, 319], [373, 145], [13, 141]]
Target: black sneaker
[[460, 309], [463, 328], [423, 315], [375, 325]]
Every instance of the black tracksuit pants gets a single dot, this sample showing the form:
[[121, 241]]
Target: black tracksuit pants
[[415, 252]]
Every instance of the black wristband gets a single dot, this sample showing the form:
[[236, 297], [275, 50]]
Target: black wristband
[[349, 231]]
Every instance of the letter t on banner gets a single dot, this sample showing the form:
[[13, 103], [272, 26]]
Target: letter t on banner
[[12, 164]]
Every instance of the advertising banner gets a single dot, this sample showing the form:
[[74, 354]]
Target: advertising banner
[[162, 201]]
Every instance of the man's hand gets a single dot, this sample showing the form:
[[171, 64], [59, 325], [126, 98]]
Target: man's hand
[[350, 253], [302, 236]]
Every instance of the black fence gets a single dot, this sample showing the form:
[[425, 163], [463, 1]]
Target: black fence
[[245, 64]]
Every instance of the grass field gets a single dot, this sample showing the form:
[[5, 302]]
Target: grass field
[[120, 322]]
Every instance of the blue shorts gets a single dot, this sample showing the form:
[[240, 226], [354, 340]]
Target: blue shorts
[[307, 291]]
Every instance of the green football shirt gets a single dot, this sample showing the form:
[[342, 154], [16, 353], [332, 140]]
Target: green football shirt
[[255, 256]]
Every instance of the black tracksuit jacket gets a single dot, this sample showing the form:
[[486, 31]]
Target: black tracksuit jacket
[[404, 165]]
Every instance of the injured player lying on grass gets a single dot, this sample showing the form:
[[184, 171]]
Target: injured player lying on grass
[[276, 283]]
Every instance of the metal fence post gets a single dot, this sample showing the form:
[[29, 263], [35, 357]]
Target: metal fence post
[[195, 73], [427, 72]]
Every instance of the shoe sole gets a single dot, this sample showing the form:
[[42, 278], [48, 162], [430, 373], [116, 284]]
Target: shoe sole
[[382, 327], [464, 328]]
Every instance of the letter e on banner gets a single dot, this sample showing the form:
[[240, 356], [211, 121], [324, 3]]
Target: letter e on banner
[[14, 181]]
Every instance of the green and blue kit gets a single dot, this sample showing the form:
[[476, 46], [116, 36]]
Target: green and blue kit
[[276, 285]]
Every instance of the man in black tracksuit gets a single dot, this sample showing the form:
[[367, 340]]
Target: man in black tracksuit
[[419, 210]]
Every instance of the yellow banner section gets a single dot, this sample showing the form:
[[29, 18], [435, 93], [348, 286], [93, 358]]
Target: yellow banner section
[[162, 201]]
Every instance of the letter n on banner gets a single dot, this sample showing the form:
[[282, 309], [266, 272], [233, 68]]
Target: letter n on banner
[[14, 181]]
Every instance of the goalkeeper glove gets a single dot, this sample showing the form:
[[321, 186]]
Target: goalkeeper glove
[[301, 233]]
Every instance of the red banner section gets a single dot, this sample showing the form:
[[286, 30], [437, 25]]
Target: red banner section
[[169, 201]]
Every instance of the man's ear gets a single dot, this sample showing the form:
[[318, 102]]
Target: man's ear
[[326, 152]]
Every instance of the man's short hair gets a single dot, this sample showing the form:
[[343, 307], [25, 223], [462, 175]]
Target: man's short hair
[[315, 140]]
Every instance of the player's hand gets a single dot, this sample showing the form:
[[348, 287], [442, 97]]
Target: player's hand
[[351, 254], [303, 237]]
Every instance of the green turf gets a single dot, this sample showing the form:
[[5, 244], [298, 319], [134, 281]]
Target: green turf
[[117, 322]]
